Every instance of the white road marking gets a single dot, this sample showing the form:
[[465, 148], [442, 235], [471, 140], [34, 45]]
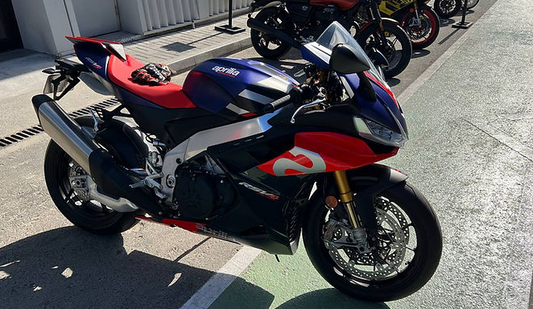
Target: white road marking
[[212, 289]]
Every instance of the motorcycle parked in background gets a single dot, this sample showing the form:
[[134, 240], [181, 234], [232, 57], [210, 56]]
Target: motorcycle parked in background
[[449, 8], [244, 153], [280, 25], [418, 20]]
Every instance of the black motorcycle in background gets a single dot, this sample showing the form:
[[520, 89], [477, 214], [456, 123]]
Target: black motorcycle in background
[[280, 25]]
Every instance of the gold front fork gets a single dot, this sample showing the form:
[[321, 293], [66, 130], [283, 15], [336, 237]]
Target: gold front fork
[[346, 196]]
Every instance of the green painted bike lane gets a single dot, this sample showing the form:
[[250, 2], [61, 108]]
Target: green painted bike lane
[[291, 283]]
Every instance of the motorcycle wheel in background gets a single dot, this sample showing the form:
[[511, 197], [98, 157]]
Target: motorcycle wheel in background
[[404, 253], [267, 45], [397, 50], [447, 8], [470, 4], [424, 33]]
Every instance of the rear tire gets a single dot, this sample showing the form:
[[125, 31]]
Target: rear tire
[[414, 221], [447, 8], [267, 45], [82, 212]]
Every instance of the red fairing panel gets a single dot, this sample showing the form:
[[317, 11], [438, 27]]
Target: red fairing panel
[[319, 152], [342, 4], [187, 225], [169, 95]]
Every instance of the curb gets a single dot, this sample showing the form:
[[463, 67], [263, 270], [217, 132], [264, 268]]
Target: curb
[[183, 64]]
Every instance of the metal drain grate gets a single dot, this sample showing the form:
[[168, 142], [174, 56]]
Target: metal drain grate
[[32, 131]]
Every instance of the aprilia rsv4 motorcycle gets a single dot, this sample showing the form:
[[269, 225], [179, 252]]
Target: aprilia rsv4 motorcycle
[[280, 25], [244, 153], [418, 20]]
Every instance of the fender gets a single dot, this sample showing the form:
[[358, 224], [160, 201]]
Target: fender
[[263, 3], [367, 182], [124, 143], [374, 23]]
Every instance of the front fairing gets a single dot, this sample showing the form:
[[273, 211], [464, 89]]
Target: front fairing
[[379, 110], [386, 109]]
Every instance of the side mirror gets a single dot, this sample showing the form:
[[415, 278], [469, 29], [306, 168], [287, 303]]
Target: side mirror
[[345, 60]]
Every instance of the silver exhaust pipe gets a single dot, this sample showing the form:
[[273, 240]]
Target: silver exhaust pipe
[[70, 137]]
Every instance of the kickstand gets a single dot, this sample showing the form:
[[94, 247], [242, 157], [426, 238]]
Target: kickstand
[[277, 258]]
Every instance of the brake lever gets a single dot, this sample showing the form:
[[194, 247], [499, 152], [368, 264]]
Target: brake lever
[[316, 102]]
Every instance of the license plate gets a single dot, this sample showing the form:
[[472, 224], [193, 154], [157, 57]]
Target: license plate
[[55, 79]]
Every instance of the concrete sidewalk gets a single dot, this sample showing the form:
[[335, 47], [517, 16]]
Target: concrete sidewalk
[[184, 49]]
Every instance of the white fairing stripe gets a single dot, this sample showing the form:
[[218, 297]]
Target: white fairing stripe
[[234, 108], [254, 96], [200, 141], [276, 83]]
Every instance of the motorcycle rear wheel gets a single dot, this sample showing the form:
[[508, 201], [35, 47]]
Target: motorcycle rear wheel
[[426, 34], [408, 249], [397, 50], [268, 45], [87, 214], [447, 8]]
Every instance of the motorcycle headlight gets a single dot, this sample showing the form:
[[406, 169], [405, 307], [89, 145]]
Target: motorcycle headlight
[[376, 132]]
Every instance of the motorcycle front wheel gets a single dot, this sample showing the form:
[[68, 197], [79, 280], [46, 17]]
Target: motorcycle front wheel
[[403, 257], [67, 185], [267, 45], [425, 33], [447, 8], [397, 48]]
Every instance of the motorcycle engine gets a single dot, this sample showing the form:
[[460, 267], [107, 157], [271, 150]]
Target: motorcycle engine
[[202, 191]]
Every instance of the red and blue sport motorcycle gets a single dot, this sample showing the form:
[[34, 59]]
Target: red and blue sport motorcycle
[[245, 153]]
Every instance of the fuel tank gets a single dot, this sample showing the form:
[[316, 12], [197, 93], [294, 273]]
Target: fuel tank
[[241, 86]]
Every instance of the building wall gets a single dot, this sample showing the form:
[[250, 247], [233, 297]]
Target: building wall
[[43, 24]]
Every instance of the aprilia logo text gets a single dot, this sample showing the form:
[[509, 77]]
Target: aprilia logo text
[[231, 72]]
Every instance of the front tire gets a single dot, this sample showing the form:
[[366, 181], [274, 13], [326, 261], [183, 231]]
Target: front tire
[[397, 49], [59, 171], [426, 33], [268, 45], [404, 217]]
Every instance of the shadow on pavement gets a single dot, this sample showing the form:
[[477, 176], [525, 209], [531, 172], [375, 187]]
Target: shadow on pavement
[[329, 298], [70, 268], [21, 61], [420, 53]]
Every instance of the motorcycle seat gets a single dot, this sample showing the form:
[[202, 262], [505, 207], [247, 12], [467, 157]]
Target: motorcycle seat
[[169, 95]]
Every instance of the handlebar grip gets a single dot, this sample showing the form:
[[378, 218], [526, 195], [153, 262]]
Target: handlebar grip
[[272, 106]]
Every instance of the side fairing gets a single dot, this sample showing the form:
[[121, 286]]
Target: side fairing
[[319, 152], [242, 86]]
